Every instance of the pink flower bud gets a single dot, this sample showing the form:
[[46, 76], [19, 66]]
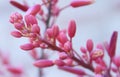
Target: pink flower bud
[[116, 61], [89, 45], [73, 70], [18, 5], [71, 28], [19, 26], [16, 18], [63, 55], [113, 43], [15, 70], [62, 38], [55, 29], [79, 3], [59, 62], [35, 29], [49, 32], [16, 34], [30, 20], [33, 10], [43, 63], [68, 46], [28, 46]]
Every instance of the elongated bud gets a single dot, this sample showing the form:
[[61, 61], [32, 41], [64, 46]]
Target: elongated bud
[[19, 26], [19, 6], [28, 46], [15, 70], [89, 45], [16, 34], [30, 20], [43, 63], [79, 3], [35, 29], [113, 43], [73, 70], [55, 29], [33, 10], [71, 28]]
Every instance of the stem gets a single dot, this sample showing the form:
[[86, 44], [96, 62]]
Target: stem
[[80, 62], [49, 14], [47, 25]]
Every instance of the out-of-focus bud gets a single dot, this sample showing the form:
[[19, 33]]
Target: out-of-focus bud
[[28, 46], [89, 45], [15, 70], [16, 34], [71, 28], [19, 6], [79, 3], [33, 10], [43, 63], [112, 45]]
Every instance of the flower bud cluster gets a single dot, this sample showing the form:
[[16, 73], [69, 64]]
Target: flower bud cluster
[[55, 39]]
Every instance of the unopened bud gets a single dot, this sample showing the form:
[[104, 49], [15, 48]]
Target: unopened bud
[[16, 34], [71, 28], [43, 63], [28, 46], [79, 3]]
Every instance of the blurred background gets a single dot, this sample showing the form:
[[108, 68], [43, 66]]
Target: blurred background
[[96, 21]]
